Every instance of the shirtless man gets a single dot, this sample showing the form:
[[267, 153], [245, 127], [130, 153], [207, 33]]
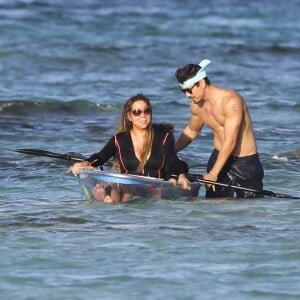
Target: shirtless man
[[235, 159]]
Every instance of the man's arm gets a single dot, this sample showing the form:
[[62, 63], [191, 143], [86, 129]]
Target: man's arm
[[189, 133]]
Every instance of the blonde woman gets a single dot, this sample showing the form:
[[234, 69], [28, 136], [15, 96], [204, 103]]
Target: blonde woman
[[140, 147]]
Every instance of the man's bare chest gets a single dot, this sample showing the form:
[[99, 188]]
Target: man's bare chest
[[211, 116]]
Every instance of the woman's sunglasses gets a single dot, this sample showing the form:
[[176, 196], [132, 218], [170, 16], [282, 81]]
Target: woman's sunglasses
[[137, 112]]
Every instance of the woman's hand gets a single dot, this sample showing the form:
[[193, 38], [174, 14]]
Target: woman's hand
[[75, 169], [183, 180], [173, 180]]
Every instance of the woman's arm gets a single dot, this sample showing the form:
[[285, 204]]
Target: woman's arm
[[95, 160], [101, 157]]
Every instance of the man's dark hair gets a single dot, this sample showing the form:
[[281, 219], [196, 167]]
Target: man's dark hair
[[187, 72]]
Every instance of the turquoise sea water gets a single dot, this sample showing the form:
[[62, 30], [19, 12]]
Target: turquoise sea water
[[65, 70]]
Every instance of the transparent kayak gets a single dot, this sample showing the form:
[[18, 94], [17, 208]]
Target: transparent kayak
[[107, 186]]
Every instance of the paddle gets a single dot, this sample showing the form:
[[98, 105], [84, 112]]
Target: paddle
[[71, 156], [68, 156], [197, 177]]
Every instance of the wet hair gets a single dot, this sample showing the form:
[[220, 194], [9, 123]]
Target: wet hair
[[187, 72]]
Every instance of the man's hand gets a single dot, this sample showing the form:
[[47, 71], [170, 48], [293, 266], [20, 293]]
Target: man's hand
[[212, 177]]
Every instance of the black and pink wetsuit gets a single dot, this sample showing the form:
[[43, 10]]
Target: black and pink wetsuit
[[162, 163]]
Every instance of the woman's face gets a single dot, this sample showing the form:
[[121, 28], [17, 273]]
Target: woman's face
[[140, 115]]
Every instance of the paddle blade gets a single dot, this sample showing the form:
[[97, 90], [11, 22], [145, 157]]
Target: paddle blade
[[38, 152], [278, 195]]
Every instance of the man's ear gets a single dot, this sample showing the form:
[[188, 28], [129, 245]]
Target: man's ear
[[202, 83]]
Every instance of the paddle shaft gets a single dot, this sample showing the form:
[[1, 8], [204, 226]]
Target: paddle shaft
[[235, 187], [193, 177]]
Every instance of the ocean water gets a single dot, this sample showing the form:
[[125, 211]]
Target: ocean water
[[66, 67]]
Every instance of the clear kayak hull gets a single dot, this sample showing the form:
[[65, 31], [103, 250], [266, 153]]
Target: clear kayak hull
[[114, 187]]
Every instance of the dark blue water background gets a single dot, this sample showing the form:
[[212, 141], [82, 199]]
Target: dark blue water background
[[65, 70]]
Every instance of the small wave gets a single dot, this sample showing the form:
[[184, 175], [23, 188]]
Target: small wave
[[270, 49], [30, 222], [283, 103], [288, 160], [295, 153], [276, 48], [289, 155], [282, 158], [20, 107]]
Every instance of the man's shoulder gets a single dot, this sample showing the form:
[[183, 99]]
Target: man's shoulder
[[227, 92], [228, 96]]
